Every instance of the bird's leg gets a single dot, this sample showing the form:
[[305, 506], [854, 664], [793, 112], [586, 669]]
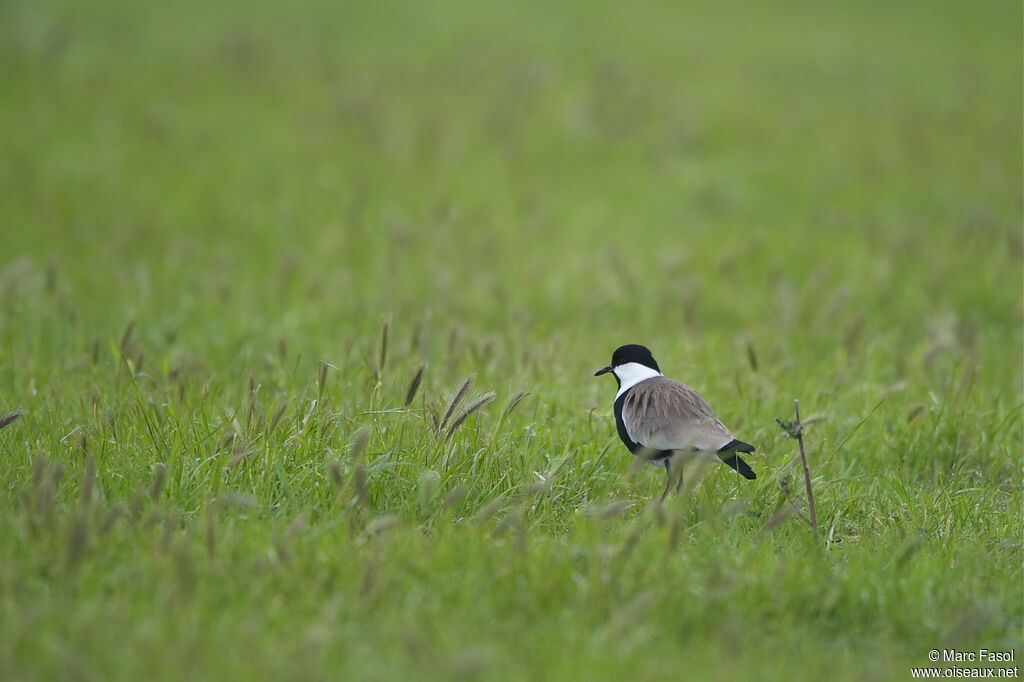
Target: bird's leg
[[679, 482], [668, 479]]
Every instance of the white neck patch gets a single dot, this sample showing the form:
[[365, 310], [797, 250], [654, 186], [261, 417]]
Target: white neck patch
[[631, 374]]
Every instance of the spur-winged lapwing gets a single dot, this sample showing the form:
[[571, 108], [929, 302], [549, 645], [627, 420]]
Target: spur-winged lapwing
[[657, 417]]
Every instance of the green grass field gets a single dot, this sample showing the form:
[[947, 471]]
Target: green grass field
[[230, 236]]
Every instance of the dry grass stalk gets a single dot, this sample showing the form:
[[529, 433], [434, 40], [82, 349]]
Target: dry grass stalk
[[787, 493], [795, 430], [454, 401], [470, 409]]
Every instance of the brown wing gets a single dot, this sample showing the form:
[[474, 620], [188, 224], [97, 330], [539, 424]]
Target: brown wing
[[665, 414]]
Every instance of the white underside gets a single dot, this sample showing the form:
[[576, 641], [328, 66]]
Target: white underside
[[631, 374], [695, 443]]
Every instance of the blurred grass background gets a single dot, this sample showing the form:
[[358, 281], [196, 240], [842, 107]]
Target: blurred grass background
[[782, 199]]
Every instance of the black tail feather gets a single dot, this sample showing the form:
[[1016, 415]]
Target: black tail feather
[[737, 445], [739, 465]]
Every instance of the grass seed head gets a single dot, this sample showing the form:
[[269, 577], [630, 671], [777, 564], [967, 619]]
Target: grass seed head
[[139, 499], [383, 525], [170, 524], [414, 385], [229, 438], [751, 356], [359, 484], [239, 457], [78, 539], [427, 487], [454, 401], [38, 471], [159, 479], [46, 494], [513, 402], [9, 419], [126, 337], [454, 496], [382, 352], [470, 409], [359, 440], [489, 509], [336, 478], [780, 517], [606, 511], [321, 379], [113, 514], [535, 488], [88, 480]]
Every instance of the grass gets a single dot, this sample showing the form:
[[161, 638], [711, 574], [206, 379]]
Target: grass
[[250, 259]]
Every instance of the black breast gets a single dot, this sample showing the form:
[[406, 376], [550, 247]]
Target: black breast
[[634, 447]]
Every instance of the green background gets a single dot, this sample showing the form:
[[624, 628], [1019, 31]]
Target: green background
[[201, 202]]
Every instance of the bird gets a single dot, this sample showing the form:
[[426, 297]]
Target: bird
[[656, 416]]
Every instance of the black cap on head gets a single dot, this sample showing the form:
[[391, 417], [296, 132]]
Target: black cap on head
[[634, 353]]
